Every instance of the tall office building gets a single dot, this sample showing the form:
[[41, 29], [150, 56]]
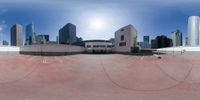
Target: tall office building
[[16, 35], [146, 39], [161, 42], [67, 34], [30, 34], [193, 31], [176, 38]]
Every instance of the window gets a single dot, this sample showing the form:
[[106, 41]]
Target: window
[[95, 46], [122, 29], [88, 46], [103, 46], [122, 37], [109, 46], [122, 44], [99, 46]]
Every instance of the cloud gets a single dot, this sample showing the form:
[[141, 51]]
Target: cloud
[[2, 25], [1, 28]]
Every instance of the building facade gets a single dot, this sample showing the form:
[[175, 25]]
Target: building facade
[[98, 46], [4, 42], [144, 45], [17, 35], [186, 41], [176, 38], [125, 39], [146, 39], [30, 35], [67, 34], [42, 39], [193, 31], [161, 42]]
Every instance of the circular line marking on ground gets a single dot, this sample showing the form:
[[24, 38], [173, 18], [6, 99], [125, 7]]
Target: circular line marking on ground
[[143, 90]]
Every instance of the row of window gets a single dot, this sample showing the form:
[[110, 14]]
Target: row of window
[[99, 46], [122, 44]]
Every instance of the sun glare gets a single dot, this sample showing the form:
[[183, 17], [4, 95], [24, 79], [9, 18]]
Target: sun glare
[[97, 23]]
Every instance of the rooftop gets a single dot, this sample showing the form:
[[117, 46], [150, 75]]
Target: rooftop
[[99, 77]]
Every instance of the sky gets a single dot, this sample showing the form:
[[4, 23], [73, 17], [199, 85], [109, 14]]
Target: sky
[[98, 19]]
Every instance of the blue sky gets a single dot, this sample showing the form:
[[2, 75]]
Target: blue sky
[[149, 17]]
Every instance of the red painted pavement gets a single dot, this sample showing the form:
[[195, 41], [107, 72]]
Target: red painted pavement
[[99, 77]]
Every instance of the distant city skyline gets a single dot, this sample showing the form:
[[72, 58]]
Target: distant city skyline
[[98, 19]]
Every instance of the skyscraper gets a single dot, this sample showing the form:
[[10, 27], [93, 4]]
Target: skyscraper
[[17, 35], [146, 39], [67, 34], [30, 34], [193, 31], [161, 42], [176, 38]]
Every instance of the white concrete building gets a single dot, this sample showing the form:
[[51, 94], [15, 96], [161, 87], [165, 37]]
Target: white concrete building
[[98, 46], [125, 39], [193, 31]]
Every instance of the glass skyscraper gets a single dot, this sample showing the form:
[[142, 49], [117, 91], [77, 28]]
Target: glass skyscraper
[[30, 34], [146, 39], [193, 31]]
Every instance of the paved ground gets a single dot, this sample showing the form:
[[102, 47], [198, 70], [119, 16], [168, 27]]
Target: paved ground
[[99, 77]]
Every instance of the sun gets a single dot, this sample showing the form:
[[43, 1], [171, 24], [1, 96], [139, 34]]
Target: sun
[[97, 23]]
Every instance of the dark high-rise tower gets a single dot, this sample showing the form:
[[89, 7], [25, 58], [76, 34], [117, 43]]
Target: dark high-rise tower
[[67, 34], [17, 35], [161, 42]]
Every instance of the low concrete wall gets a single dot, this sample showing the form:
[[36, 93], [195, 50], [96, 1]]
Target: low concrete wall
[[9, 50], [182, 50], [51, 49]]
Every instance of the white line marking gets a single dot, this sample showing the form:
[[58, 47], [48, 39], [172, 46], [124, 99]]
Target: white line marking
[[142, 58], [44, 60]]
